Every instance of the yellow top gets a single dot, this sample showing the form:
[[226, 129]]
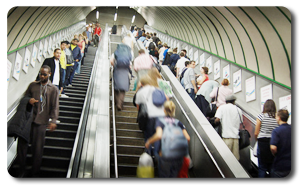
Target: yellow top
[[63, 60]]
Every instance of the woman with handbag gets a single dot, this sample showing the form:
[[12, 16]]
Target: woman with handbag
[[265, 124], [223, 92]]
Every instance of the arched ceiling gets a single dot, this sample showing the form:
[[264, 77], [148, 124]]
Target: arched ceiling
[[256, 38]]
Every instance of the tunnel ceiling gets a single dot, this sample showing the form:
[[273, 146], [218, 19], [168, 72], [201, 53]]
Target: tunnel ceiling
[[256, 38]]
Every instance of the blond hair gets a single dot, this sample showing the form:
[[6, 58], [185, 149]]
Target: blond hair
[[169, 107], [145, 80]]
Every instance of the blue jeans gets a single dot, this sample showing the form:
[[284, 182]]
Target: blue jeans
[[191, 93], [79, 65], [63, 74]]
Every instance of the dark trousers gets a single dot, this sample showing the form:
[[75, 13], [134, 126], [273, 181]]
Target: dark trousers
[[202, 104], [37, 140], [191, 92], [119, 99]]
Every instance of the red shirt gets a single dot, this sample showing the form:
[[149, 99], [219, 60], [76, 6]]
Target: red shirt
[[97, 31]]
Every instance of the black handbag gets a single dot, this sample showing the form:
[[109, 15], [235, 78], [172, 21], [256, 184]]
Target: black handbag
[[142, 117], [213, 106], [244, 140]]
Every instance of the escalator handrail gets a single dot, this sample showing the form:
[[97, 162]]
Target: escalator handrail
[[79, 140], [113, 118]]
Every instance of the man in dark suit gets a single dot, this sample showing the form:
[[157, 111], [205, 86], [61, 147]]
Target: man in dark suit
[[55, 73]]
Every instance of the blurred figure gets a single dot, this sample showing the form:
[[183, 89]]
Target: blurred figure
[[76, 56], [204, 77], [161, 53], [97, 34], [180, 64], [142, 64], [81, 45], [121, 62], [189, 79], [168, 167]]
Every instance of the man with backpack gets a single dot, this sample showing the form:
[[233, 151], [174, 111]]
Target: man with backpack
[[121, 62]]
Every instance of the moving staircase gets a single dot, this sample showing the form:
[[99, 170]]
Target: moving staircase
[[59, 143]]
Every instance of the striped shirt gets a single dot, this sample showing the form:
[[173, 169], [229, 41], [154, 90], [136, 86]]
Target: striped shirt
[[143, 61], [268, 124]]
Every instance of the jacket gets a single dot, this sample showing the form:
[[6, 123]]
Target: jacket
[[51, 63], [20, 125], [76, 53]]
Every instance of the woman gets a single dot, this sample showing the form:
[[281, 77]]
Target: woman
[[144, 96], [204, 72], [265, 124], [222, 91], [166, 168], [81, 45]]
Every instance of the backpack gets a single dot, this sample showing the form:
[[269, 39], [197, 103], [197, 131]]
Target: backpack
[[174, 145], [123, 56], [151, 46]]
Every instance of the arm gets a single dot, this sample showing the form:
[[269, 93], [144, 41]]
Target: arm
[[257, 128], [112, 61], [213, 93], [54, 110], [186, 135], [83, 47], [194, 85], [156, 137], [202, 80], [273, 149]]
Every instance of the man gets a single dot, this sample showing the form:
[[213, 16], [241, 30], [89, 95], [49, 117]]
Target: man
[[184, 51], [55, 67], [180, 64], [155, 39], [89, 36], [142, 64], [173, 61], [77, 57], [280, 146], [230, 117], [97, 34], [189, 80], [63, 64], [45, 101]]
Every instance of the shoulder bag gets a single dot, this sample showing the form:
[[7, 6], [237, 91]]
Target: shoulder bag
[[244, 140]]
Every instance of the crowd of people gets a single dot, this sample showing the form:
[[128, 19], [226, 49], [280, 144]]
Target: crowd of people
[[154, 104], [42, 97], [217, 103]]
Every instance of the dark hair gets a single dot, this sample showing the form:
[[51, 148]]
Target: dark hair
[[205, 70], [270, 108], [56, 49], [283, 114], [46, 67], [148, 36], [64, 42], [187, 63], [154, 34], [184, 50], [181, 54], [175, 50]]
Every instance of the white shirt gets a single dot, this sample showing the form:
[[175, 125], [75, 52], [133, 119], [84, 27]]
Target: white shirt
[[181, 64], [56, 73], [230, 117], [144, 95]]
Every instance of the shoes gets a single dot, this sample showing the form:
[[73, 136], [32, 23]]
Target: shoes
[[64, 96], [70, 85], [57, 121]]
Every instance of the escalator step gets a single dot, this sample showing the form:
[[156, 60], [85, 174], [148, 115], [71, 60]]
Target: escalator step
[[62, 133], [57, 141]]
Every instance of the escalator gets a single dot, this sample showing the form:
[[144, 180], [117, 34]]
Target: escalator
[[59, 143], [130, 139]]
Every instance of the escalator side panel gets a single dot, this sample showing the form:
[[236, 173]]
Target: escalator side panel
[[225, 160]]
